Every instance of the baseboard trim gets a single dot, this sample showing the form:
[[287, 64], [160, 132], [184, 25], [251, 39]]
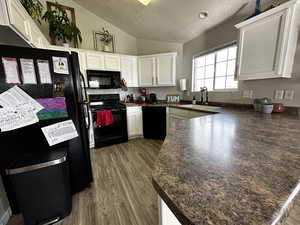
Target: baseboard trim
[[5, 218]]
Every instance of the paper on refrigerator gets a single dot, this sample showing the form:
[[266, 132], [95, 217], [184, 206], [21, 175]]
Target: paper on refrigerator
[[60, 132], [18, 99], [11, 119]]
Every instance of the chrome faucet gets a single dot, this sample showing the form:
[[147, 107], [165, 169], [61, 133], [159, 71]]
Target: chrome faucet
[[203, 90]]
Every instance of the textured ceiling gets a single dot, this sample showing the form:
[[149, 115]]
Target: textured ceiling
[[168, 20]]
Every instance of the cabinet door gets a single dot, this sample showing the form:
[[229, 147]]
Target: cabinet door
[[132, 119], [112, 62], [166, 215], [139, 122], [166, 68], [259, 55], [95, 61], [146, 71], [35, 35], [129, 70], [18, 18]]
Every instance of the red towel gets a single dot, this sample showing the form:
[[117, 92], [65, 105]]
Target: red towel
[[104, 118]]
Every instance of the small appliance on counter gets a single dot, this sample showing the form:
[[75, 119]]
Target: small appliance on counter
[[152, 99], [263, 105]]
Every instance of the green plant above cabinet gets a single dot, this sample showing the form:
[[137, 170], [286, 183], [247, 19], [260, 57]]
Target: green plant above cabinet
[[267, 43], [34, 9]]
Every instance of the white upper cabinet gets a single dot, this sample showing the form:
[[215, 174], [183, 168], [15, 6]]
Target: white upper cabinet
[[267, 43], [157, 70], [166, 68], [147, 72], [129, 70], [18, 18], [112, 62], [94, 61], [14, 15]]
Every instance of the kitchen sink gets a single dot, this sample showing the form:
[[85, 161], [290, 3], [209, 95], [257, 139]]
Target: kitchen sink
[[201, 107]]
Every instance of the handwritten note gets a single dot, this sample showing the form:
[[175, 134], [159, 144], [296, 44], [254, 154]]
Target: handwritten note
[[16, 98], [10, 119], [60, 132]]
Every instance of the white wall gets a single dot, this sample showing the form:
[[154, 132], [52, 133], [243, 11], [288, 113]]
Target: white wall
[[4, 205], [88, 22], [225, 33]]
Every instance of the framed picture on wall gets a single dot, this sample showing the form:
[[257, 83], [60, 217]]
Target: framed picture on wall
[[71, 15], [104, 41]]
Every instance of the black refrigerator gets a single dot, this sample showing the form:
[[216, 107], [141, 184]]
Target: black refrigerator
[[67, 85]]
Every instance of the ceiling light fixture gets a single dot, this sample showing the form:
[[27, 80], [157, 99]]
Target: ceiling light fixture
[[203, 15], [145, 2]]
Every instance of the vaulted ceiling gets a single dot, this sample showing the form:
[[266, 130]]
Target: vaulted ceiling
[[168, 20]]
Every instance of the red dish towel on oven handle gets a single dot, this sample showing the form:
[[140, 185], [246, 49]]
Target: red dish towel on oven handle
[[104, 118]]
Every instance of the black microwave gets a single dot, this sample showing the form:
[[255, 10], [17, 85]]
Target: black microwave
[[100, 79]]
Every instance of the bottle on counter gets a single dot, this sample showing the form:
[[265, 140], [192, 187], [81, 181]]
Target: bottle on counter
[[194, 100]]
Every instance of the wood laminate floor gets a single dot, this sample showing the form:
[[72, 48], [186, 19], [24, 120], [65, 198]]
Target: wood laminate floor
[[122, 192]]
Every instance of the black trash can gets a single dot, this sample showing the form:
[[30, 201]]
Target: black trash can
[[42, 186]]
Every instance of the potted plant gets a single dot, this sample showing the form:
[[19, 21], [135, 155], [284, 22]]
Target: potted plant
[[34, 8], [60, 27], [106, 39]]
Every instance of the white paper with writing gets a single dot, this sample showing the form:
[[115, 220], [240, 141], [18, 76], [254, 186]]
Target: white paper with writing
[[44, 71], [17, 99], [10, 119], [28, 71], [11, 70], [60, 65], [60, 132]]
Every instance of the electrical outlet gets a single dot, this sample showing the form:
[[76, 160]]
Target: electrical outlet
[[289, 95], [248, 94], [279, 94]]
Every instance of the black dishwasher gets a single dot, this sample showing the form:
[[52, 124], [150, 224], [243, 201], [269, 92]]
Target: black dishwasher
[[154, 122]]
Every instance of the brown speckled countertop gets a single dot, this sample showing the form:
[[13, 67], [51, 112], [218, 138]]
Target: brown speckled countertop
[[236, 167]]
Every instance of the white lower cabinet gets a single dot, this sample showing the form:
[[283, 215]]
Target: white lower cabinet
[[134, 122], [166, 217]]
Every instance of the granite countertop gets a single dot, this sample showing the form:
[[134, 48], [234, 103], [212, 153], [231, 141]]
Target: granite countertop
[[236, 167]]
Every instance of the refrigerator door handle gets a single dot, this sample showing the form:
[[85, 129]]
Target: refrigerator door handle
[[88, 115], [86, 99]]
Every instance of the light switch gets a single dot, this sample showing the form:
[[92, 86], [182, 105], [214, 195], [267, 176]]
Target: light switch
[[279, 94], [289, 95]]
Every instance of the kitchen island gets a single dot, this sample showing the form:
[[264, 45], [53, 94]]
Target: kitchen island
[[236, 167]]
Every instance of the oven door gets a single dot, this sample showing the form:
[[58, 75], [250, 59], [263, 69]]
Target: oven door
[[113, 134]]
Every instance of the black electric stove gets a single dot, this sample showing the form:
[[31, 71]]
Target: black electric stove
[[116, 132]]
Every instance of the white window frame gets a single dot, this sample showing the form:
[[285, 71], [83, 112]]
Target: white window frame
[[207, 52]]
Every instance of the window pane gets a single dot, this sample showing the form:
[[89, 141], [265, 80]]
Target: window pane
[[231, 67], [210, 59], [199, 72], [200, 61], [231, 83], [209, 83], [221, 69], [220, 82], [198, 84], [232, 52], [222, 55], [209, 71]]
